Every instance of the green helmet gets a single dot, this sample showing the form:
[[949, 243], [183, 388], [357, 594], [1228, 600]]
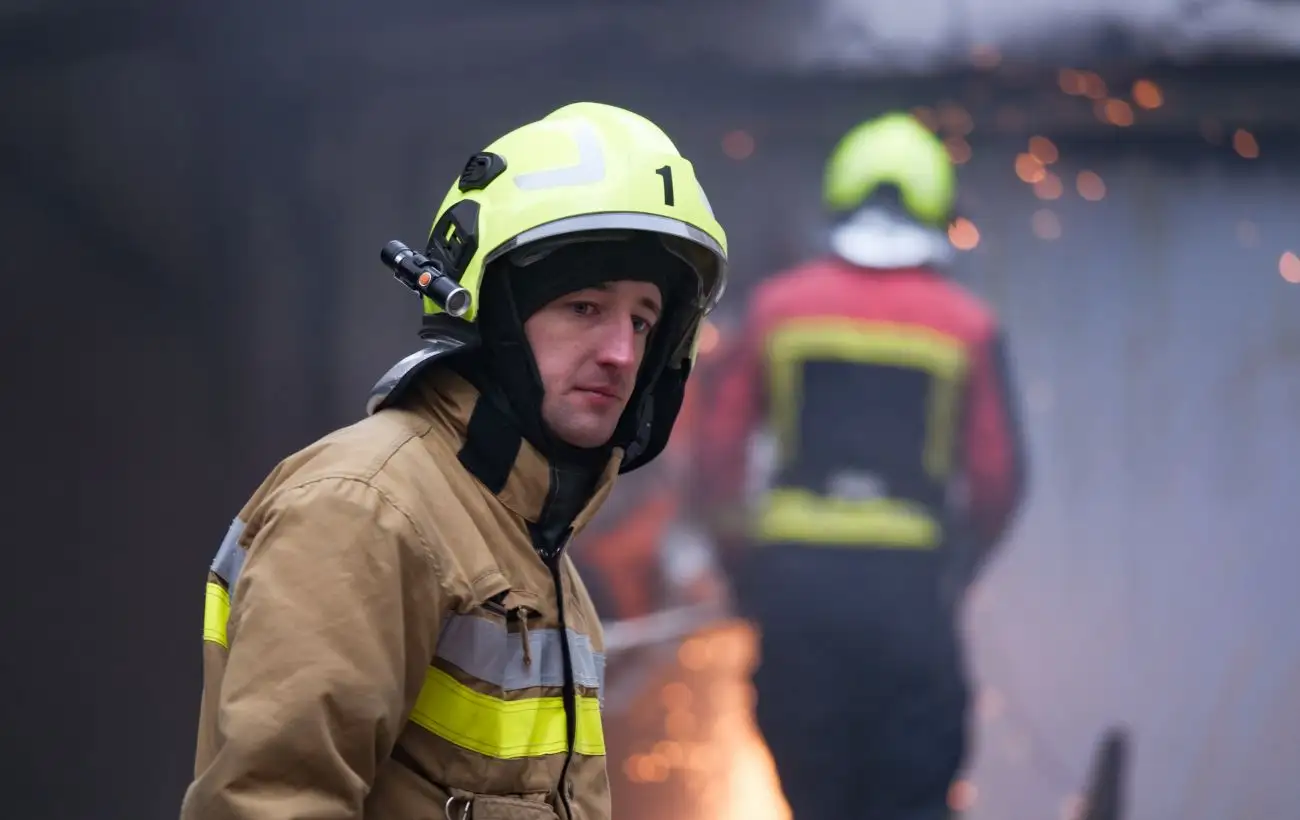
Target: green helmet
[[587, 171], [895, 150]]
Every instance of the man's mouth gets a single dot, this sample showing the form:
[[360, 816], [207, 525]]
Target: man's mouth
[[605, 392]]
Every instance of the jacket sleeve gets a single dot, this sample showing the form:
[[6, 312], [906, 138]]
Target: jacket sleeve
[[332, 625], [995, 449]]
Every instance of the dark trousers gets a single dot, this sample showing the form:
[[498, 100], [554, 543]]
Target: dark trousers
[[861, 691]]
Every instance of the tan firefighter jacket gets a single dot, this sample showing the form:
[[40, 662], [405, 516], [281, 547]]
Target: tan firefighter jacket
[[382, 639]]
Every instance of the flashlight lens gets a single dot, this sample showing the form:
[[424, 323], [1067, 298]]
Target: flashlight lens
[[458, 302]]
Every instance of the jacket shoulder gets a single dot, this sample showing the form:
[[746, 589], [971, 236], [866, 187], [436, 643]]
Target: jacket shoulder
[[819, 280], [406, 467], [972, 310], [386, 450], [793, 277], [362, 450]]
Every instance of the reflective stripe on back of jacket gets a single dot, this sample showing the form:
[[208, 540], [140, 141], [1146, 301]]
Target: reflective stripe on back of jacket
[[382, 640], [883, 393]]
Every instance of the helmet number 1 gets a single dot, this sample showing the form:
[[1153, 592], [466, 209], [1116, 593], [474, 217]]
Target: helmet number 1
[[667, 173]]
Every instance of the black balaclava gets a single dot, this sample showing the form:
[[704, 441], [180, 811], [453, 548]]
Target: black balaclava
[[504, 369]]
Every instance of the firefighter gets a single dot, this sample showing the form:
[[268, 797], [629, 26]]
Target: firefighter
[[393, 628], [870, 402]]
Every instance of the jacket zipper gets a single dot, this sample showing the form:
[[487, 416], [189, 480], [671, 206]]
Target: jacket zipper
[[570, 688], [550, 554]]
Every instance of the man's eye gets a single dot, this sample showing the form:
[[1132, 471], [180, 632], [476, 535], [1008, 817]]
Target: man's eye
[[582, 308], [641, 325]]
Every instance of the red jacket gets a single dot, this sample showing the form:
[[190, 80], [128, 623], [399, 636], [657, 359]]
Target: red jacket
[[894, 380]]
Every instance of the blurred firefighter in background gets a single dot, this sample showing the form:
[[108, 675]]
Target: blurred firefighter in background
[[863, 446]]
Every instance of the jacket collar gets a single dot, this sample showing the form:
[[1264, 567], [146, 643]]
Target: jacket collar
[[499, 457]]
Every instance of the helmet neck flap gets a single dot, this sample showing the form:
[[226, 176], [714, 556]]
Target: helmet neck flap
[[882, 234]]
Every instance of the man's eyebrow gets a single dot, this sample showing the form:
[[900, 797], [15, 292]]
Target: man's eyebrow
[[651, 305], [645, 301]]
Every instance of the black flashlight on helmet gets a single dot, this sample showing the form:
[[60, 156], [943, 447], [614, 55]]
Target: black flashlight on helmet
[[425, 277]]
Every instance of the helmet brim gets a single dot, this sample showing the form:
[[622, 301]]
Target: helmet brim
[[695, 247]]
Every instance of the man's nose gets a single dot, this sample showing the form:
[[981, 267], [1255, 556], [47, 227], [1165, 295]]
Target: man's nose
[[618, 345]]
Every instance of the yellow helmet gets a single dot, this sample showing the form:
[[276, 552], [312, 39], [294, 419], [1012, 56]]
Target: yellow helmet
[[586, 171], [895, 150], [585, 167], [890, 188]]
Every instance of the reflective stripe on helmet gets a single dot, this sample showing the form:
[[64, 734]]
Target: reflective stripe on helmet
[[588, 170]]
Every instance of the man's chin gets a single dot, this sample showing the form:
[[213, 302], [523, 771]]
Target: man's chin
[[589, 434]]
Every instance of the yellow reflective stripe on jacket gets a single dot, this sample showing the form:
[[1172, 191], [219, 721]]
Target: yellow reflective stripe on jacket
[[216, 612], [487, 651], [943, 357], [226, 565], [805, 517], [521, 727], [506, 729]]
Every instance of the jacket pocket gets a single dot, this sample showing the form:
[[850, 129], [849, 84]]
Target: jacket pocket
[[514, 603], [401, 793], [492, 807]]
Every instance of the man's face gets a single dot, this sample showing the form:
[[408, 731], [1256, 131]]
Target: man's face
[[588, 346]]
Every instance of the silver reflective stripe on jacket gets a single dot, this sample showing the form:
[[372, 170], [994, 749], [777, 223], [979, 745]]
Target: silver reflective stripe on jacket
[[484, 649]]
